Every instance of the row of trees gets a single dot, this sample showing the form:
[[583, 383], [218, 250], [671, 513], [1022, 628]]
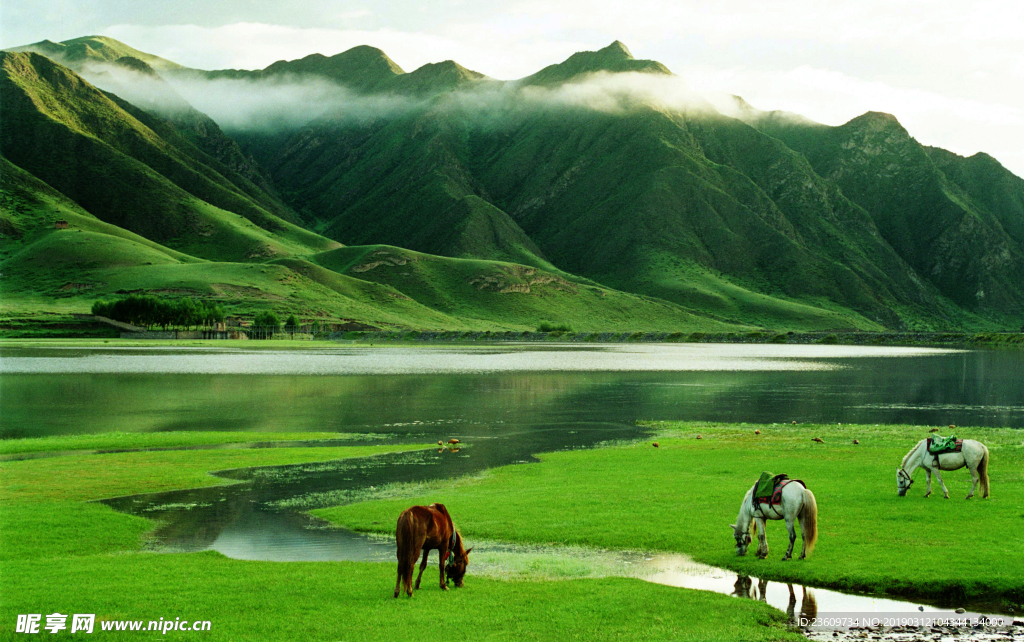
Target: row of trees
[[149, 311], [268, 319]]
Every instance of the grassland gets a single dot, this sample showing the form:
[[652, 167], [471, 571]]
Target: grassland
[[62, 552], [177, 439], [683, 495]]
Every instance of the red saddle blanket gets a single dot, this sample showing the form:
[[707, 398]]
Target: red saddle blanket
[[776, 497]]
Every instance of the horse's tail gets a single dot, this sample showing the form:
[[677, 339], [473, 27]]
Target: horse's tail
[[405, 538], [809, 520], [983, 472]]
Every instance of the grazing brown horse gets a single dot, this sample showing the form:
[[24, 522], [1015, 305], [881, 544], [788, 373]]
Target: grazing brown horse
[[424, 528]]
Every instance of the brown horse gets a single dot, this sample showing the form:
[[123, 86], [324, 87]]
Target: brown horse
[[424, 528]]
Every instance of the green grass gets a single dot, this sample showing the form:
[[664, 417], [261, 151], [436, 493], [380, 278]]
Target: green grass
[[61, 551], [683, 495], [132, 440], [501, 295]]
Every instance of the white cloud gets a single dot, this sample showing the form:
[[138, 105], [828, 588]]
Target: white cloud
[[962, 125]]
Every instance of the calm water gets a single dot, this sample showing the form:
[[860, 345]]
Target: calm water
[[508, 402], [497, 391]]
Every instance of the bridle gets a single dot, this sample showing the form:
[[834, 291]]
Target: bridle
[[905, 476], [453, 545]]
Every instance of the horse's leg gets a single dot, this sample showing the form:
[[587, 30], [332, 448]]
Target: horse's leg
[[398, 581], [790, 521], [975, 477], [928, 474], [945, 491], [443, 554], [762, 537], [410, 567], [423, 567]]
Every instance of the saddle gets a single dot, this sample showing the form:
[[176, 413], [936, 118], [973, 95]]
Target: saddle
[[768, 489], [939, 445]]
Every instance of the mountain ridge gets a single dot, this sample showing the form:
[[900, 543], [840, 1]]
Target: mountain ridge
[[767, 219]]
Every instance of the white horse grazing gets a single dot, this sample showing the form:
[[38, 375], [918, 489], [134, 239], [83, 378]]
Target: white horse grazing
[[974, 455], [797, 504]]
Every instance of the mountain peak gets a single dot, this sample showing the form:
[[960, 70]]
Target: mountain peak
[[618, 50], [615, 58], [874, 122], [363, 68], [437, 76]]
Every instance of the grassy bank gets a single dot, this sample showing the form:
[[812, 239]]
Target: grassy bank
[[180, 439], [683, 495], [476, 337], [60, 551]]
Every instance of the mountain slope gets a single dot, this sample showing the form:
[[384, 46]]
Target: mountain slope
[[495, 292], [132, 169], [607, 195], [693, 207], [93, 49], [615, 58], [962, 234]]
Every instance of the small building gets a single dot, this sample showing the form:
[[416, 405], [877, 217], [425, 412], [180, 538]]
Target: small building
[[61, 225]]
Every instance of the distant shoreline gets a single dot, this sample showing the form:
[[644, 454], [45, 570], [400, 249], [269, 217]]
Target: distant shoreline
[[455, 337]]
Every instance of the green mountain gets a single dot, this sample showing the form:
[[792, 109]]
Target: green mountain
[[133, 169], [97, 49], [686, 205], [149, 210], [615, 58], [959, 222], [490, 204], [363, 69]]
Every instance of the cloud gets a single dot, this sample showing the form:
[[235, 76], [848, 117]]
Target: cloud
[[962, 125], [289, 101]]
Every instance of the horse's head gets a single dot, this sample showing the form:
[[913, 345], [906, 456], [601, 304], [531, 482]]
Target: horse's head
[[457, 563], [903, 482], [742, 539]]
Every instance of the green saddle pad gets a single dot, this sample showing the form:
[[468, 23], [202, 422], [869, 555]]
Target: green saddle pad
[[939, 444], [766, 484]]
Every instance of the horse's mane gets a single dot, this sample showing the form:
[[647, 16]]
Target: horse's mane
[[906, 457]]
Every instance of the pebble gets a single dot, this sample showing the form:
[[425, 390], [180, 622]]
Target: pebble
[[979, 633]]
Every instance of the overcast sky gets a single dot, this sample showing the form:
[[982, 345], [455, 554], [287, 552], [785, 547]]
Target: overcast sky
[[951, 71]]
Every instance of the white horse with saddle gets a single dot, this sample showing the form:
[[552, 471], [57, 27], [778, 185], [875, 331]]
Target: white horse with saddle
[[966, 452], [789, 500]]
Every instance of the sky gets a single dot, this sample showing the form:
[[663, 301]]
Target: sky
[[951, 71]]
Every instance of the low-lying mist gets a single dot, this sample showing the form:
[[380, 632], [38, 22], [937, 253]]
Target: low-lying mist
[[290, 102]]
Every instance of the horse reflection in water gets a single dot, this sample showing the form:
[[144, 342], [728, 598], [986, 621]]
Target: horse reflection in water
[[744, 587]]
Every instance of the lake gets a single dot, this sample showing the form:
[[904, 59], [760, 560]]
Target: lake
[[496, 390]]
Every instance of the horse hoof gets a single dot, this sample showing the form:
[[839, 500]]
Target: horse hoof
[[786, 559]]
